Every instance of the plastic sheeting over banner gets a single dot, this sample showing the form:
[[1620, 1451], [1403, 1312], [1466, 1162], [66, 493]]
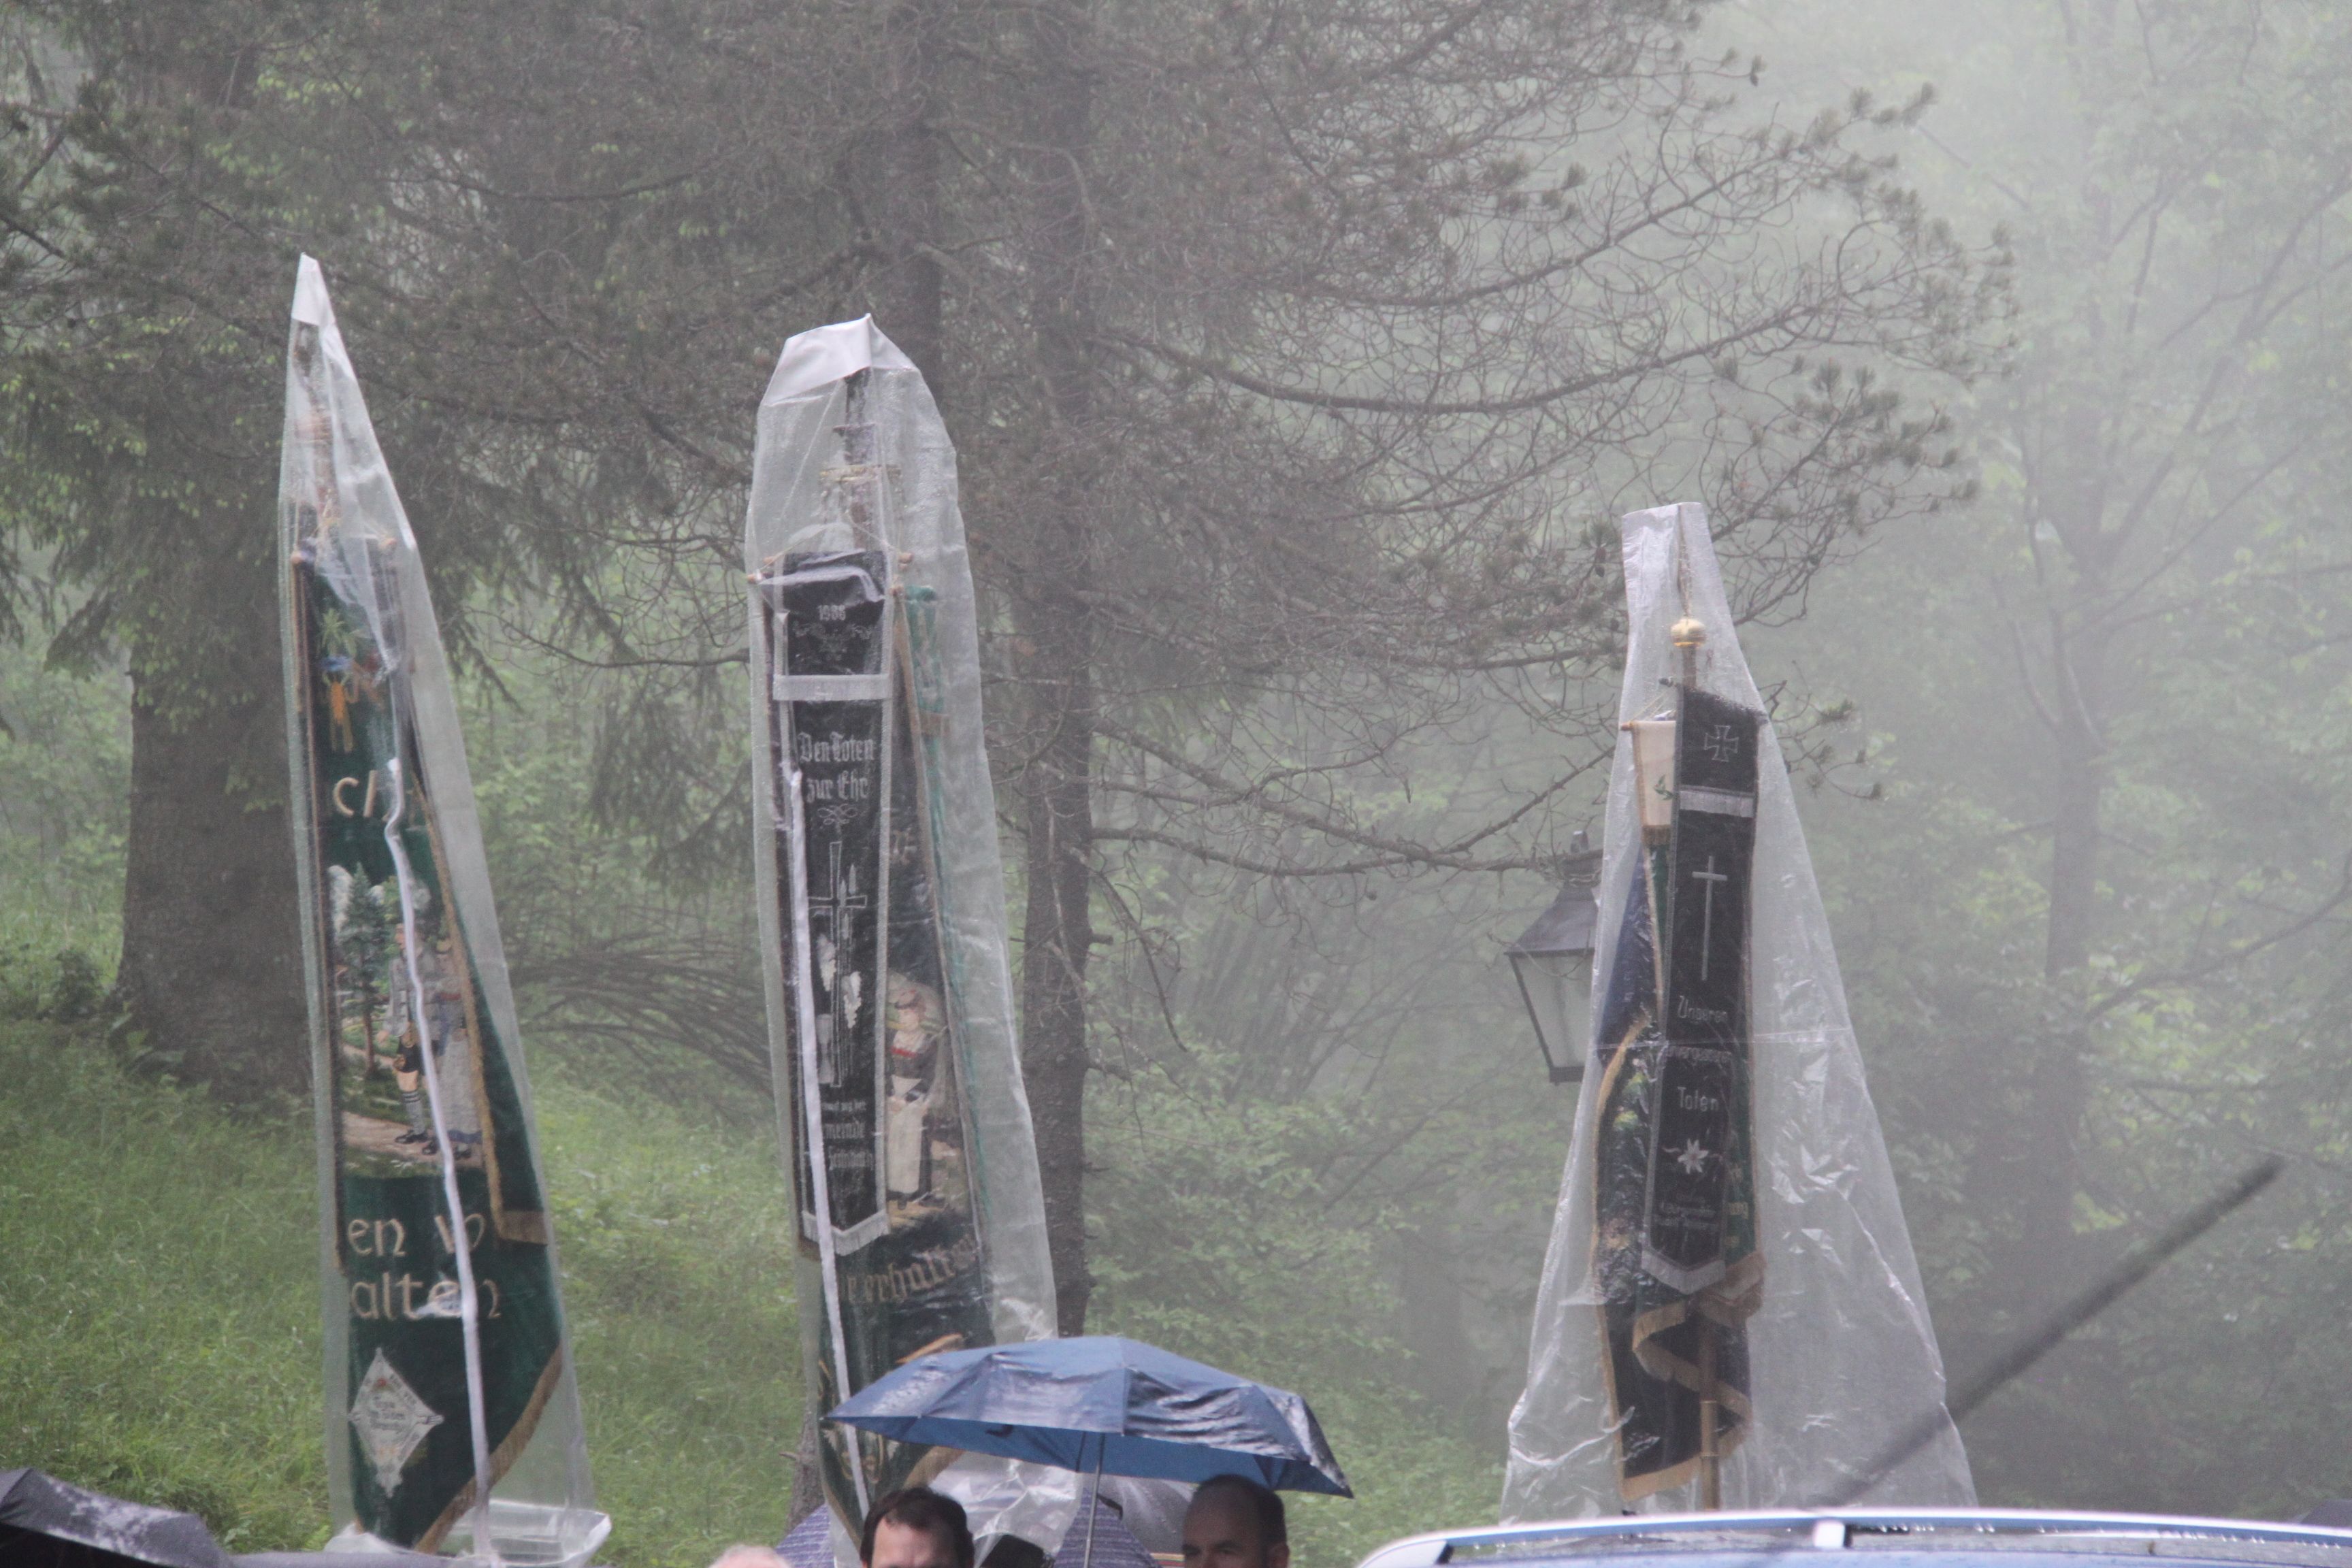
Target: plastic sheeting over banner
[[1840, 1355], [445, 1361], [882, 914]]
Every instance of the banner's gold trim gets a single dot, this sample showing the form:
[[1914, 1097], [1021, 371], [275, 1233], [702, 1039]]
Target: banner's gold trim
[[1607, 1087], [502, 1457], [1726, 1441], [461, 948], [1728, 1303]]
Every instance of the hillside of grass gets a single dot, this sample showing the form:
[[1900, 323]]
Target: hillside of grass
[[158, 1260], [158, 1264]]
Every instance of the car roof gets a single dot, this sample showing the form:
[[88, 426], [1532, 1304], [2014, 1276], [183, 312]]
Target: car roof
[[1743, 1536]]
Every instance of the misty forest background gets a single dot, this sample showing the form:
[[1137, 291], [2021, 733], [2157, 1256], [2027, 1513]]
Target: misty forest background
[[1300, 354]]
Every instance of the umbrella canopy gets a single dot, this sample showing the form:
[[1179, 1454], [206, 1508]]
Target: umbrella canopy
[[1102, 1404], [44, 1523]]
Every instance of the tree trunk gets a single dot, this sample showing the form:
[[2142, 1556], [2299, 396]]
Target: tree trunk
[[1057, 937], [1058, 932], [2071, 491], [906, 288], [212, 969], [178, 529], [2058, 1083]]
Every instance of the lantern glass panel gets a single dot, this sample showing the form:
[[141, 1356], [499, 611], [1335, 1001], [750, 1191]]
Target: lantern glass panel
[[1558, 991]]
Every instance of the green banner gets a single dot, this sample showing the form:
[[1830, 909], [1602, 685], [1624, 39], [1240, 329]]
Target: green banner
[[398, 957], [412, 1465]]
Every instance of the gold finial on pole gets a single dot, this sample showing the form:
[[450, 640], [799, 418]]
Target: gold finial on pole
[[1689, 634]]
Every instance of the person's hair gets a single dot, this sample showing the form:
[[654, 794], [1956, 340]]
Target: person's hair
[[743, 1555], [1264, 1505], [936, 1514]]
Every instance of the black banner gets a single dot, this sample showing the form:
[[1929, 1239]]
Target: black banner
[[846, 710], [831, 692], [1675, 1248], [1701, 1071]]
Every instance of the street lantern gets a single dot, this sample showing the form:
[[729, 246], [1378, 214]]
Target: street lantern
[[1552, 961]]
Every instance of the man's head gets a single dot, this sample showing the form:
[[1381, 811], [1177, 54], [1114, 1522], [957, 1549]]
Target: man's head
[[1235, 1523], [916, 1527], [749, 1557]]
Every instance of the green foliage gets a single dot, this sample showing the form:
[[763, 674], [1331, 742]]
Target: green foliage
[[65, 766], [1325, 1156], [1229, 1234], [160, 1260], [624, 888], [2204, 1048]]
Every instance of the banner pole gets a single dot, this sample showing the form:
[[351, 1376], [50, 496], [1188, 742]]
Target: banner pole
[[1094, 1499], [1710, 1462]]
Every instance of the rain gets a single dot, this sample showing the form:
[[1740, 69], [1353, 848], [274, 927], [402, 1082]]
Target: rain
[[1600, 749]]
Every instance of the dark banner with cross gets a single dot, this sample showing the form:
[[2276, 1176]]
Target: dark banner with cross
[[833, 689], [1676, 1236], [847, 714]]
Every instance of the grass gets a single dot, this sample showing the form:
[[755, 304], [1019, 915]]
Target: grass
[[158, 1264], [157, 1269], [676, 1242]]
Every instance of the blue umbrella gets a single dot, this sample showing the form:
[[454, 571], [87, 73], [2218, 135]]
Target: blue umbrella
[[1105, 1405]]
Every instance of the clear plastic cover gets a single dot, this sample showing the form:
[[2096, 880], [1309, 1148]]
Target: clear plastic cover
[[882, 916], [444, 1362], [1841, 1358]]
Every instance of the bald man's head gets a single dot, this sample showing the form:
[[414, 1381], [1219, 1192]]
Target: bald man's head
[[1235, 1523]]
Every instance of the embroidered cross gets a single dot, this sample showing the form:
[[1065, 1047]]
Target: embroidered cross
[[1711, 877], [836, 904], [842, 900]]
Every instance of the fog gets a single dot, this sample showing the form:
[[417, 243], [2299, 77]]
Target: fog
[[1299, 358]]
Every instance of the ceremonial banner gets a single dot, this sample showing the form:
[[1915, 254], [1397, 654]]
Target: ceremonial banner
[[1731, 1313], [1675, 1248], [450, 1405], [882, 903]]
